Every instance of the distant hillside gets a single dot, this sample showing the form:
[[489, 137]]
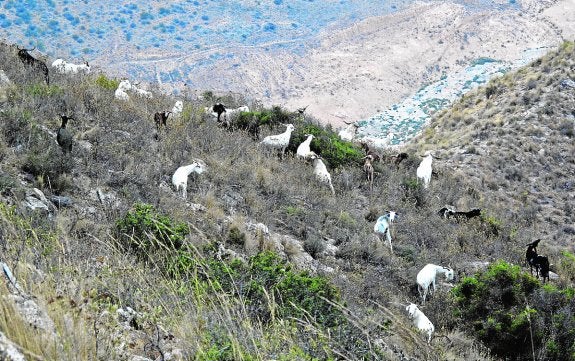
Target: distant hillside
[[514, 140]]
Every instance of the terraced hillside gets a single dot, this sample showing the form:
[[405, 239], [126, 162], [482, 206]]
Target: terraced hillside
[[103, 260]]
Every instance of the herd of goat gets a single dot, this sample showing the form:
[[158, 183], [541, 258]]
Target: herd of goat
[[426, 277]]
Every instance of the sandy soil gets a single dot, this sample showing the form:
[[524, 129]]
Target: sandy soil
[[357, 72]]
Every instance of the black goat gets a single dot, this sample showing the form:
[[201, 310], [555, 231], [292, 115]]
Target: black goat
[[531, 253], [219, 108], [63, 136], [448, 213], [541, 264], [31, 61], [160, 118], [537, 261]]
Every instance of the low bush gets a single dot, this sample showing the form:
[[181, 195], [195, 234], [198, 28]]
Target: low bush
[[106, 83], [144, 230], [515, 315], [328, 145]]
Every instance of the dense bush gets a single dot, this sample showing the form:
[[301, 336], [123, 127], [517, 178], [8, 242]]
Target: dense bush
[[268, 117], [144, 230], [298, 294], [104, 82], [509, 310], [271, 290], [328, 145]]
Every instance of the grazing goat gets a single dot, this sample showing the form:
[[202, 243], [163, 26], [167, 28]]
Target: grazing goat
[[537, 261], [541, 264], [368, 169], [31, 61], [398, 158], [424, 170], [180, 177], [531, 254], [279, 141], [217, 110], [63, 67], [348, 133], [122, 92], [370, 151], [426, 278], [383, 224], [63, 136], [234, 113], [160, 118], [420, 320], [321, 173], [448, 213], [303, 150]]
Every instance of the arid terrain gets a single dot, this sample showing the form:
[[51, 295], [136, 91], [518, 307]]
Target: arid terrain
[[357, 72]]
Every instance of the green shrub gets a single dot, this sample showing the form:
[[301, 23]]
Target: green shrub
[[328, 145], [297, 294], [144, 230], [235, 236], [508, 309], [104, 82], [268, 117], [43, 90], [492, 225]]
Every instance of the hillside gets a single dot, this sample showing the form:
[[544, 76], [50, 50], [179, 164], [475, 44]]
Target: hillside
[[514, 139], [261, 262]]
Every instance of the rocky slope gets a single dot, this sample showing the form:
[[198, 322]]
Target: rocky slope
[[514, 140]]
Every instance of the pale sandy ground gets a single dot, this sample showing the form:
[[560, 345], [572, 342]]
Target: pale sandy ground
[[359, 71]]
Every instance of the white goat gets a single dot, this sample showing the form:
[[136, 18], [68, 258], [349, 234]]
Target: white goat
[[303, 150], [383, 224], [348, 133], [180, 177], [426, 278], [178, 108], [424, 170], [279, 141], [143, 93], [121, 95], [420, 320], [121, 92], [63, 67], [321, 173]]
